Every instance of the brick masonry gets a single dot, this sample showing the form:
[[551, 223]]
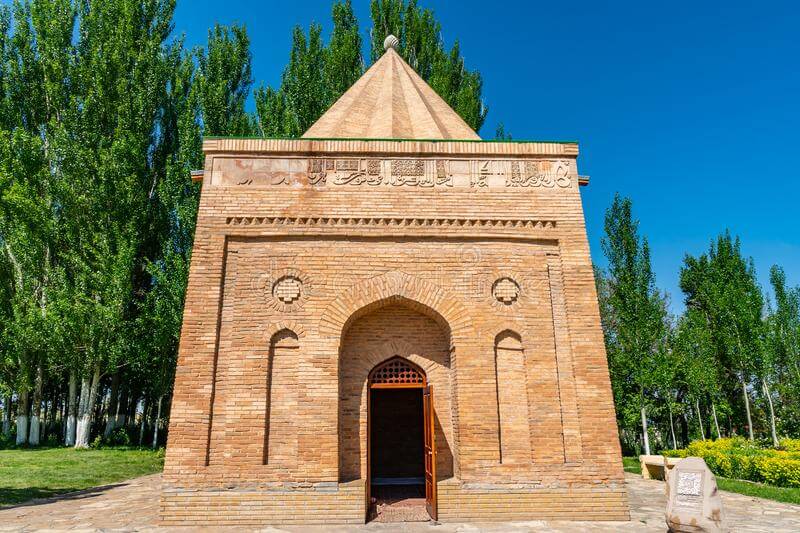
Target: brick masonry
[[316, 260]]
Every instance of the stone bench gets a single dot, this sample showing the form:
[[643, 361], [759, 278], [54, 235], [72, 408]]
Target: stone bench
[[656, 466]]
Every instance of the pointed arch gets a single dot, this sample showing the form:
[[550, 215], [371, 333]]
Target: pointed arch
[[513, 401], [395, 287], [398, 372], [280, 430]]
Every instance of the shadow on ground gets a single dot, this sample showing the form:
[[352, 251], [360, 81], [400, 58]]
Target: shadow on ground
[[11, 498]]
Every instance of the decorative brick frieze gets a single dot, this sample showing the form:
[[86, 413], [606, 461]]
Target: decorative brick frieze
[[392, 222], [314, 172]]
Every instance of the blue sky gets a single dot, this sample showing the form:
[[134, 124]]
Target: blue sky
[[689, 108]]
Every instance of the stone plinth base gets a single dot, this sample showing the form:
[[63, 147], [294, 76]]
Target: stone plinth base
[[345, 505], [459, 503]]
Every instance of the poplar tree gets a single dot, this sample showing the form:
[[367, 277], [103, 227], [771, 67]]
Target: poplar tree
[[783, 346], [102, 116], [721, 285], [636, 318]]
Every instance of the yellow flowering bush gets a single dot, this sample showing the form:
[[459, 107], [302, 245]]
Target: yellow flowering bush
[[742, 459], [790, 445]]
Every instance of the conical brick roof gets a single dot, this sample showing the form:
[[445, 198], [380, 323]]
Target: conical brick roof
[[390, 101]]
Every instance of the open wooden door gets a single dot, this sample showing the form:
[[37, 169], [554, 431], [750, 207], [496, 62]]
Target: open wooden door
[[431, 503], [368, 486]]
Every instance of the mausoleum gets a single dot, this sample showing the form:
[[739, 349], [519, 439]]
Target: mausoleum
[[390, 308]]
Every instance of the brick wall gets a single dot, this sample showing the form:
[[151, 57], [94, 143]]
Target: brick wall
[[301, 283]]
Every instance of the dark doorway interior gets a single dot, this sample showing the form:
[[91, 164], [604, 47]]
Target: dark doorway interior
[[397, 455]]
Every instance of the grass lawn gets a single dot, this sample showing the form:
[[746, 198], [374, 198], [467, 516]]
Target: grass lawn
[[40, 472], [748, 488]]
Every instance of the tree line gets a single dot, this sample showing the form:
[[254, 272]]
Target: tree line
[[102, 115], [728, 364]]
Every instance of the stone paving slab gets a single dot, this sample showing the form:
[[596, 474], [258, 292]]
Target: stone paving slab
[[133, 506]]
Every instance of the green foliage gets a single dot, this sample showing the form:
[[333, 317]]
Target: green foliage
[[315, 77], [721, 287], [500, 133], [422, 47], [634, 316], [723, 367], [318, 74], [118, 437], [781, 364], [102, 117]]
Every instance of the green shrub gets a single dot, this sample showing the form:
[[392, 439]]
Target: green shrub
[[741, 459], [119, 437]]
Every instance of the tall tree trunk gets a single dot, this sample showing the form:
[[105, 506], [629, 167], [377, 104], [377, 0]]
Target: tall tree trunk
[[644, 432], [683, 423], [700, 419], [47, 408], [121, 416], [22, 417], [772, 427], [72, 409], [36, 408], [113, 404], [144, 421], [158, 420], [7, 416], [747, 409], [89, 387], [672, 429], [716, 422], [124, 407]]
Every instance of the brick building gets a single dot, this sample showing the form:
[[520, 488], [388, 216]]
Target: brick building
[[391, 306]]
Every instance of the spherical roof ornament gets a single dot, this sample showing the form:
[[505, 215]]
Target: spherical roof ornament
[[391, 42]]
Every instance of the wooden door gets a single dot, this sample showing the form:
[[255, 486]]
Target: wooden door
[[430, 452], [368, 487]]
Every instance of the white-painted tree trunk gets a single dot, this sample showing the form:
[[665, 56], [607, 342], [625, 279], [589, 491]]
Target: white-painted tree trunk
[[144, 421], [7, 416], [89, 387], [716, 422], [72, 409], [121, 419], [644, 432], [772, 427], [36, 409], [158, 420], [33, 432], [22, 418], [672, 430], [747, 408], [700, 419]]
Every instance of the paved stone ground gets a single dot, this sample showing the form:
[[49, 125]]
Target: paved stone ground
[[133, 506]]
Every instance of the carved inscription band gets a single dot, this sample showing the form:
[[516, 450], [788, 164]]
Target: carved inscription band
[[321, 172]]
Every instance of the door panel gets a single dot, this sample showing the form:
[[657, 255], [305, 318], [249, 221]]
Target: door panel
[[368, 486], [430, 453]]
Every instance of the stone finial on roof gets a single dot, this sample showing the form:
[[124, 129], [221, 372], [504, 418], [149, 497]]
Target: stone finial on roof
[[391, 42]]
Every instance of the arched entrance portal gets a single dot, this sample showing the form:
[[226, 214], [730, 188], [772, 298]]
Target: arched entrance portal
[[374, 334], [401, 448]]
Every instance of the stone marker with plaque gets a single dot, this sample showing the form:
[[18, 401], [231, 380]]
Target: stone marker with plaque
[[693, 501]]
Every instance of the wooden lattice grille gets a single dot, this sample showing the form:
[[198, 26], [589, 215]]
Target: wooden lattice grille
[[397, 372]]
